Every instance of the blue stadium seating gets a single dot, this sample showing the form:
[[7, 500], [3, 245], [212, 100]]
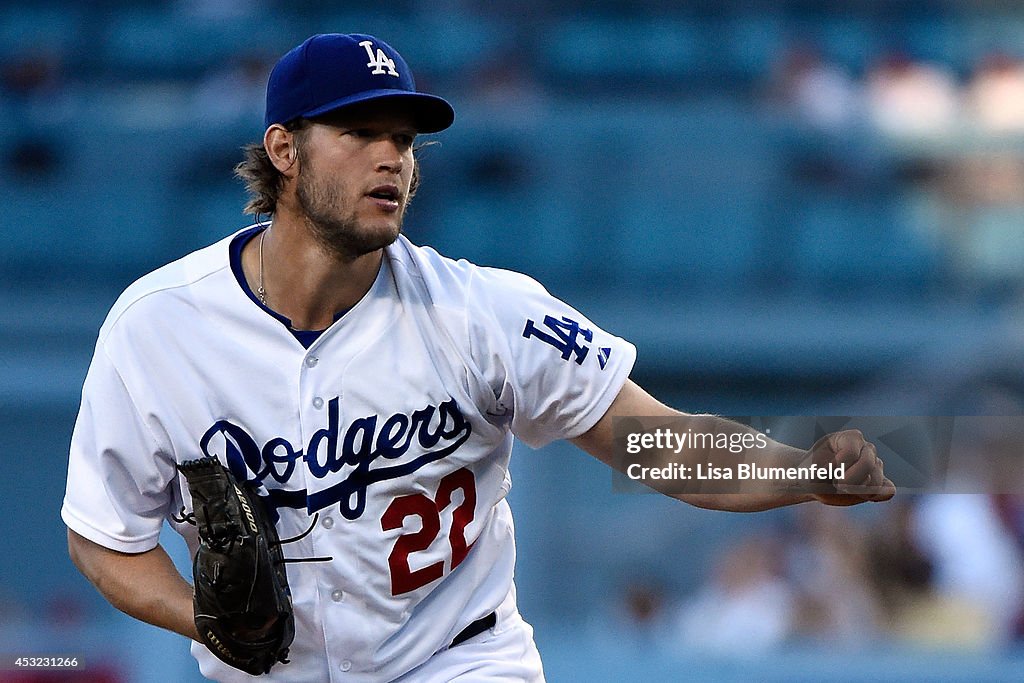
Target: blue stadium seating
[[640, 161]]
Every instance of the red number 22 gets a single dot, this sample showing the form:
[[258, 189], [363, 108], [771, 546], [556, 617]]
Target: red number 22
[[405, 579]]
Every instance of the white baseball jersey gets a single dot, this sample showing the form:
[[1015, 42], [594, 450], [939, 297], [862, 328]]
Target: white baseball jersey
[[395, 425]]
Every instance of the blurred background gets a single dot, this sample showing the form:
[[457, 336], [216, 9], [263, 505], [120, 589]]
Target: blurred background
[[791, 207]]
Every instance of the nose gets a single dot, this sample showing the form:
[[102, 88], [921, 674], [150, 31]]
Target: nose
[[389, 157]]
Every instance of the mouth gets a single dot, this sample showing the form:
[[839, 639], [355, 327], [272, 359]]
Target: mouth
[[386, 197]]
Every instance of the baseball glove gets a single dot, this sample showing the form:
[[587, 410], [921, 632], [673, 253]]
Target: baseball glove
[[243, 608]]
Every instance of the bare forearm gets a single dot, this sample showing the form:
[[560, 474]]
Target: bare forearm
[[752, 495], [146, 585], [860, 479], [743, 502]]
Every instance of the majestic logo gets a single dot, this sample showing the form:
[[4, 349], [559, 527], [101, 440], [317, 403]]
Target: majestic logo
[[347, 455], [380, 62]]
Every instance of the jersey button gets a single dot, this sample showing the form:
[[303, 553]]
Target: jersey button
[[328, 522], [337, 596], [345, 665], [311, 361], [318, 403]]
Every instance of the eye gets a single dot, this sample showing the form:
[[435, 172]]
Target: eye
[[405, 139], [357, 133]]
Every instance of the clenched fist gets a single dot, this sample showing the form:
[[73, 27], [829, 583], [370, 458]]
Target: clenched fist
[[864, 477]]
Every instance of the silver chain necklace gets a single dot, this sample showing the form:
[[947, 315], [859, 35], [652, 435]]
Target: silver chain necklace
[[261, 291]]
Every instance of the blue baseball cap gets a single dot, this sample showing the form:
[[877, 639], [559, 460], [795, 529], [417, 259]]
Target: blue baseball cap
[[333, 70]]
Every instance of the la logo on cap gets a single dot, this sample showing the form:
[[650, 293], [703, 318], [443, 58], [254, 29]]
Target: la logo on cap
[[329, 71], [380, 61]]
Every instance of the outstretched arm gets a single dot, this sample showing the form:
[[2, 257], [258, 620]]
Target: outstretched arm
[[864, 479], [146, 585]]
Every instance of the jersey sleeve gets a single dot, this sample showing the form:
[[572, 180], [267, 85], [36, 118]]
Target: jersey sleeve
[[118, 489], [551, 369]]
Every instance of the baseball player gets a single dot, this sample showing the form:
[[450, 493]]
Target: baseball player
[[362, 381]]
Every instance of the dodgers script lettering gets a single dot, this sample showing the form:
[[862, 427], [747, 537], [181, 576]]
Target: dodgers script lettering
[[344, 453]]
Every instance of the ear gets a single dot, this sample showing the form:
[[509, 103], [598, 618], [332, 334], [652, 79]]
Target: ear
[[281, 148]]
